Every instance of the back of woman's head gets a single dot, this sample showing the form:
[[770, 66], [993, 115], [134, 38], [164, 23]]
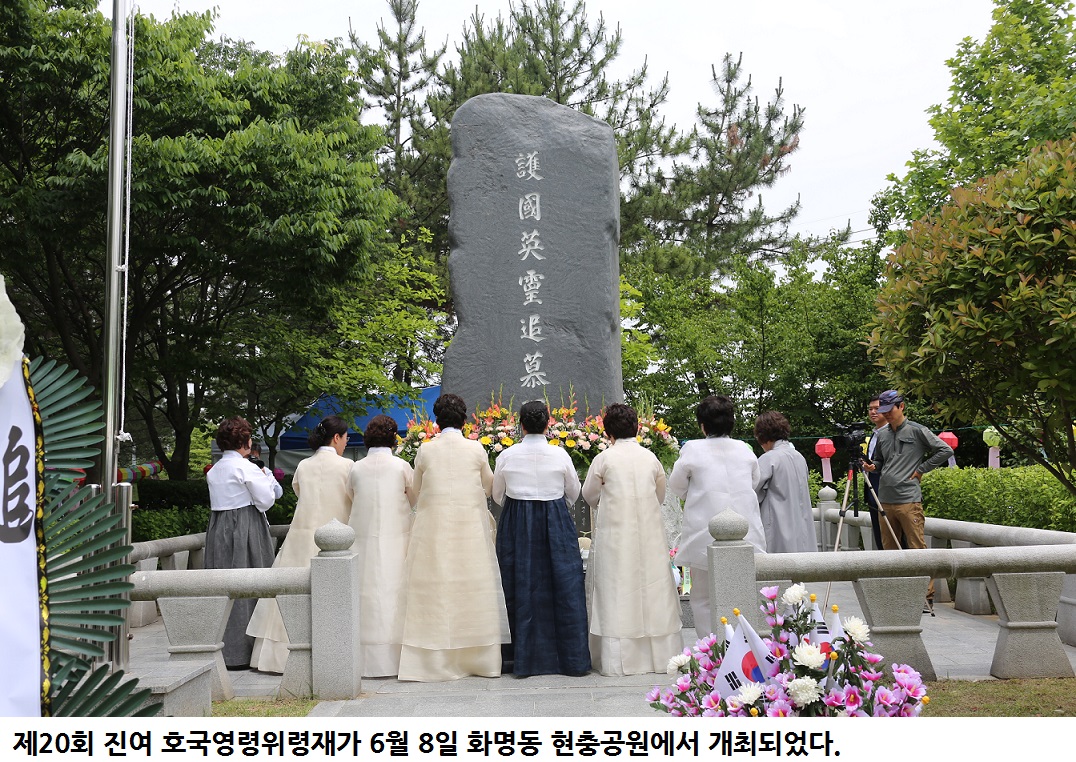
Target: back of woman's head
[[327, 428], [450, 411], [620, 421], [380, 432], [772, 426], [534, 417], [716, 416], [233, 433]]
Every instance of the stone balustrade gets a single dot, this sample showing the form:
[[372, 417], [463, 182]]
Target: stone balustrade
[[1025, 583]]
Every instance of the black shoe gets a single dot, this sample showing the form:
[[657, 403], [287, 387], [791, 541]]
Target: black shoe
[[928, 608]]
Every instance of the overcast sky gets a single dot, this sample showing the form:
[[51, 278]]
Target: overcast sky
[[864, 71]]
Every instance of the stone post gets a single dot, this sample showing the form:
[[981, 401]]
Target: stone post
[[336, 652], [195, 629], [1028, 645], [827, 499], [941, 584], [971, 594], [298, 678], [733, 583], [1066, 611], [893, 607]]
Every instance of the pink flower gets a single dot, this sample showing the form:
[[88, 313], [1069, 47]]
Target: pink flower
[[834, 698], [885, 697], [683, 683], [872, 658], [770, 593], [780, 708], [654, 694], [711, 700], [852, 698]]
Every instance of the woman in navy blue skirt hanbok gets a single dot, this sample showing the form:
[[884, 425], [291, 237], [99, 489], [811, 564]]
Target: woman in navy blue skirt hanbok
[[538, 553]]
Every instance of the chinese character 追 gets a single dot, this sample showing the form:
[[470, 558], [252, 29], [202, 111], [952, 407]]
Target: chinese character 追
[[527, 166], [530, 207], [535, 376], [531, 246], [531, 328], [531, 282]]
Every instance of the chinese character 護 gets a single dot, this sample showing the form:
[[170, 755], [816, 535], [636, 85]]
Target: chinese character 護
[[535, 376], [531, 246], [527, 166], [531, 282], [532, 328], [530, 207]]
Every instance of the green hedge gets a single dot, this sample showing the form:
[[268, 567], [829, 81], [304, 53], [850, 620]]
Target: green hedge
[[1020, 497], [175, 508]]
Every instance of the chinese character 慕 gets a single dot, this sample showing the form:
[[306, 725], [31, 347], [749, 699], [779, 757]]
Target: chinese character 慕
[[535, 376]]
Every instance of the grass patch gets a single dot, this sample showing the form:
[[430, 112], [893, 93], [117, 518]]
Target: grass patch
[[1046, 697], [257, 707]]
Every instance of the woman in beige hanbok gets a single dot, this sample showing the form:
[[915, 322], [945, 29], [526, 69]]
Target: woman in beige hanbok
[[632, 603], [381, 517], [321, 484], [454, 615]]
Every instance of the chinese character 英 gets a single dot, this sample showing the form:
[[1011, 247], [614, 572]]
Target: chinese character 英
[[531, 282], [527, 166], [531, 328], [535, 376], [531, 246]]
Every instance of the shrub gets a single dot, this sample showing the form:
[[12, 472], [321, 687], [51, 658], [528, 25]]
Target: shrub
[[167, 522], [161, 494], [1020, 497]]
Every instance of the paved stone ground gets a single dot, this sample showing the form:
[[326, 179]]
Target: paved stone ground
[[961, 646]]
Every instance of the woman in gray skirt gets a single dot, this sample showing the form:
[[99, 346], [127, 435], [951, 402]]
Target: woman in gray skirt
[[238, 535]]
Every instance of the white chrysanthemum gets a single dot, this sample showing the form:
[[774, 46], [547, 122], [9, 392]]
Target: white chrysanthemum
[[795, 595], [808, 655], [750, 693], [12, 334], [676, 662], [857, 629], [804, 691]]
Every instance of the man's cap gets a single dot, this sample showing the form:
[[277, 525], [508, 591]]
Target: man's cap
[[888, 400]]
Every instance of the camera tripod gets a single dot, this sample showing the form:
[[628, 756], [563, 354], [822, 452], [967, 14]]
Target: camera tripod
[[855, 466]]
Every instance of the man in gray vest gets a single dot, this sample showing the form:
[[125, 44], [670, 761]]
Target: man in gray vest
[[905, 450]]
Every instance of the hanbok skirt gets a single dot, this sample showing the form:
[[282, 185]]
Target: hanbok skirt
[[238, 539], [542, 574]]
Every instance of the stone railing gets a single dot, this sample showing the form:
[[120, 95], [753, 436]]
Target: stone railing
[[1024, 583], [319, 606]]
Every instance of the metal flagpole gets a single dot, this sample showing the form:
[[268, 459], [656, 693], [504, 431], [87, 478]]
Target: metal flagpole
[[111, 333]]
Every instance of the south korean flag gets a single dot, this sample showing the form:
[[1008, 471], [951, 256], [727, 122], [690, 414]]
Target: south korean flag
[[747, 660]]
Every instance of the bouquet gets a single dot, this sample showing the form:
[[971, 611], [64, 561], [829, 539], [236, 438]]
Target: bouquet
[[808, 667], [419, 429], [494, 427]]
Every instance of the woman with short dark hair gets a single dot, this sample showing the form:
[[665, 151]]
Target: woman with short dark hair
[[381, 515], [631, 596], [710, 475], [538, 551], [321, 485], [784, 499], [238, 534], [454, 619]]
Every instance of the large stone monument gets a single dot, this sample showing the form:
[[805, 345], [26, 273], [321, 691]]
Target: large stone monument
[[534, 226]]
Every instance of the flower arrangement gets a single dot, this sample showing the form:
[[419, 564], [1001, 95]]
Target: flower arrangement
[[419, 429], [656, 436], [582, 441], [495, 427], [806, 668]]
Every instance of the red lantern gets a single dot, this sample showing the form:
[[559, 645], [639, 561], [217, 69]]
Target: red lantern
[[824, 449], [949, 438]]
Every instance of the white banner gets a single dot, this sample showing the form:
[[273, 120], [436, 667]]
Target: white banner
[[20, 622]]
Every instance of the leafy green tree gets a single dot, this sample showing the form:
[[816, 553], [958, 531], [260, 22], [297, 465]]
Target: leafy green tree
[[254, 188], [1010, 92], [979, 311]]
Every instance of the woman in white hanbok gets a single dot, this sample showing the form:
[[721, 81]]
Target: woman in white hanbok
[[632, 604], [321, 484], [381, 515]]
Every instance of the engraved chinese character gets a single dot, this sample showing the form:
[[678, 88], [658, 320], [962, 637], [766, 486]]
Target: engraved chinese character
[[531, 246], [531, 282], [535, 375], [532, 328], [530, 207], [527, 166]]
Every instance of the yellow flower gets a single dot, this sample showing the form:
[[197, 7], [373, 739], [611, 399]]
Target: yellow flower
[[562, 434], [569, 442], [486, 441], [508, 441], [555, 442]]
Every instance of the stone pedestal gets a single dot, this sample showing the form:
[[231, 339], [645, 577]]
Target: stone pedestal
[[971, 594], [893, 607], [1028, 645], [298, 678], [195, 629], [334, 615]]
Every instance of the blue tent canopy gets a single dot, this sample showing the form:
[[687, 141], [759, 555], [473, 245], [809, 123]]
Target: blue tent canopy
[[400, 410]]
